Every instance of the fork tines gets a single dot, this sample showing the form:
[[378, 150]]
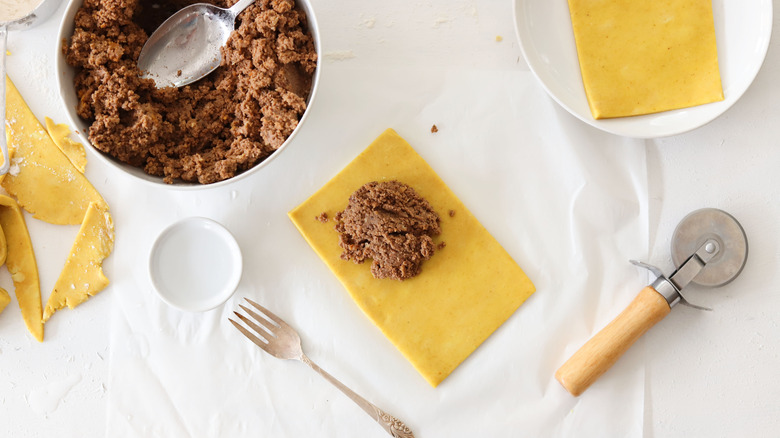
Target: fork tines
[[265, 331]]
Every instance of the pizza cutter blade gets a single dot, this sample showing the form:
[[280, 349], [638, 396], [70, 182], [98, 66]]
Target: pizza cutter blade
[[711, 224], [709, 248]]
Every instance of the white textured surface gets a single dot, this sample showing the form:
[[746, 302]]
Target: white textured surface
[[594, 206], [716, 373], [708, 374]]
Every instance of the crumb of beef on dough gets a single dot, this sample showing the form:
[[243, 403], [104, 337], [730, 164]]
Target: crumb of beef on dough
[[212, 129], [391, 224]]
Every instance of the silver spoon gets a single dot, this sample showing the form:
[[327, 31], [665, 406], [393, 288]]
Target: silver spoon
[[28, 15], [186, 46]]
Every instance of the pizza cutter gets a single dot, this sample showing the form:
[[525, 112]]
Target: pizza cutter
[[709, 248]]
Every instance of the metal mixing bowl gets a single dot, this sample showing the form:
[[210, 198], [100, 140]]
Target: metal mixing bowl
[[66, 73]]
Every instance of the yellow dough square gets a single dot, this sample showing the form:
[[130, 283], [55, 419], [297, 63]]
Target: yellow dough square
[[464, 292], [646, 56]]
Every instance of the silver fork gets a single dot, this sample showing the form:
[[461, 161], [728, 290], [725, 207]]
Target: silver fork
[[280, 340]]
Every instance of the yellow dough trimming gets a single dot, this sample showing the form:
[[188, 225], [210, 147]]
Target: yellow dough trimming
[[82, 276], [21, 265], [46, 176], [60, 134], [464, 292], [3, 247], [42, 178], [5, 299]]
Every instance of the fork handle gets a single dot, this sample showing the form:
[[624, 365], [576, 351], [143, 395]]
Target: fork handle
[[392, 425]]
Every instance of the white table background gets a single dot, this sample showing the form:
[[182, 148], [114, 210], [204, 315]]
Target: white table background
[[708, 373]]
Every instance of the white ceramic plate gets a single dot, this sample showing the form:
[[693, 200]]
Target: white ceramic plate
[[742, 32]]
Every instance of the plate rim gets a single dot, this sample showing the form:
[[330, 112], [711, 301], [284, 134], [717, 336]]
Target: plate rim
[[609, 125]]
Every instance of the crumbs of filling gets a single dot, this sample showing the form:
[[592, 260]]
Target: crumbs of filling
[[210, 130], [391, 224]]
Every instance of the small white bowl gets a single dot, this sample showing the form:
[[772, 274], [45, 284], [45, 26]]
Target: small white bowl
[[66, 73], [195, 264]]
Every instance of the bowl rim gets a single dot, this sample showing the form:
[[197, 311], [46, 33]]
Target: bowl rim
[[647, 126], [65, 71]]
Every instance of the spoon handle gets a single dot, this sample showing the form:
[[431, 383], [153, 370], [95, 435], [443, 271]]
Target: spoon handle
[[3, 144], [240, 6]]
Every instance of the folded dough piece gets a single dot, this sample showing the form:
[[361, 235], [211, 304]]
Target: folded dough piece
[[21, 265], [464, 292], [646, 56], [82, 276], [42, 178]]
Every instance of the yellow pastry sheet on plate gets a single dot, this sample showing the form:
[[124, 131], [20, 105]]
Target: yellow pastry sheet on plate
[[464, 292], [646, 56]]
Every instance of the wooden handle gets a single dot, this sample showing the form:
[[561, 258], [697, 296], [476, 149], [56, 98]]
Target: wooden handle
[[606, 347]]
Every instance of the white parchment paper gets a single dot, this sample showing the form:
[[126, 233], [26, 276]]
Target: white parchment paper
[[568, 203]]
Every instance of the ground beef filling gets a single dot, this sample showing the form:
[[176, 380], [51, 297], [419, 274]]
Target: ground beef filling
[[391, 224], [212, 129]]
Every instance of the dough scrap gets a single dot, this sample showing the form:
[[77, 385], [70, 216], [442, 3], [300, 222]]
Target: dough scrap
[[21, 265], [60, 134], [3, 247], [642, 57], [464, 294], [82, 276], [5, 299], [45, 183]]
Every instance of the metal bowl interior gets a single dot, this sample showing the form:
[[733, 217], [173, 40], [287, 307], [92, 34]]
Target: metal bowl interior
[[66, 73]]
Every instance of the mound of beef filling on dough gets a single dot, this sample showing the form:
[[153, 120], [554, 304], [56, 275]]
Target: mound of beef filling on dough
[[391, 224], [212, 129]]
